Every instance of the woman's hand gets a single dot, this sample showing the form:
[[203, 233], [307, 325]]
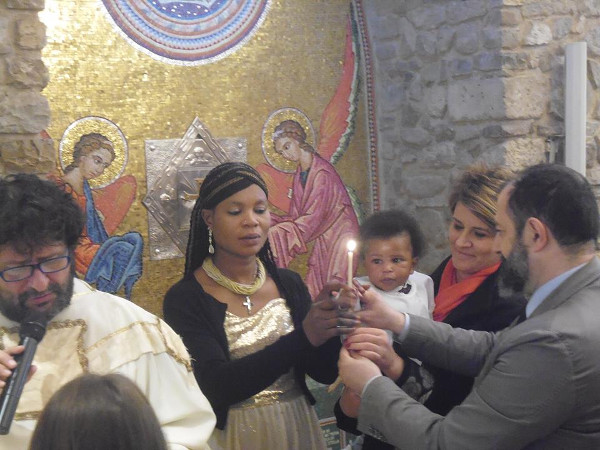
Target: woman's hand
[[376, 345], [329, 315]]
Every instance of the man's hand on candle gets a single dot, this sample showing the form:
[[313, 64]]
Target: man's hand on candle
[[356, 370], [376, 313], [376, 345]]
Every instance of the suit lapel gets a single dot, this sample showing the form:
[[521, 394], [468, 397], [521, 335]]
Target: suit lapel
[[579, 280], [576, 282]]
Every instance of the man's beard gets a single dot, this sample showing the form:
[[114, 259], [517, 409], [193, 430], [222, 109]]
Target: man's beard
[[17, 310], [514, 273]]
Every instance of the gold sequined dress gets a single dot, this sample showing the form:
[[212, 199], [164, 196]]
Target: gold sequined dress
[[280, 416]]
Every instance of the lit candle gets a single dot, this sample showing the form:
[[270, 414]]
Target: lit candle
[[351, 246]]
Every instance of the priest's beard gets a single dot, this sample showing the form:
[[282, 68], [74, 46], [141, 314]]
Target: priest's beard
[[514, 273], [13, 306]]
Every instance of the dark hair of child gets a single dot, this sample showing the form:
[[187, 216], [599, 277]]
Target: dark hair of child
[[391, 223]]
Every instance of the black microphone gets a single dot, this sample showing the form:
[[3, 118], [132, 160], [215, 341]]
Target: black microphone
[[32, 331]]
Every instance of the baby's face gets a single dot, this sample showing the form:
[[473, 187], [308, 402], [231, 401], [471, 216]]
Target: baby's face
[[389, 261]]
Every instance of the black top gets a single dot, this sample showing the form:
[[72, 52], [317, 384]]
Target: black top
[[199, 319], [483, 310]]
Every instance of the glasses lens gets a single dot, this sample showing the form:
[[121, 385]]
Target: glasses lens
[[49, 266], [17, 273], [54, 264]]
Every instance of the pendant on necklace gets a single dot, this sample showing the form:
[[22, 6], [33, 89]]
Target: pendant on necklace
[[248, 304]]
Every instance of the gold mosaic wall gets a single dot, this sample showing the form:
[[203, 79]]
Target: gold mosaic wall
[[293, 60]]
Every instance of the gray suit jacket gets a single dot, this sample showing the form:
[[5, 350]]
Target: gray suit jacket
[[537, 385]]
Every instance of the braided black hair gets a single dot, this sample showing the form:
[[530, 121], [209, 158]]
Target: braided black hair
[[222, 182]]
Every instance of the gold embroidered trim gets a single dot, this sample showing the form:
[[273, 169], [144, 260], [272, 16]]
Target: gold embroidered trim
[[56, 326], [35, 415], [81, 356], [185, 361], [146, 327], [143, 324], [149, 328], [83, 360]]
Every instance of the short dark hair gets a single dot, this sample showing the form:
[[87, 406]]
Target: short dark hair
[[391, 223], [561, 198], [36, 212], [97, 412]]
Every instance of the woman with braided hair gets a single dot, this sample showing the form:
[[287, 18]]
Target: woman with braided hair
[[321, 212], [251, 328]]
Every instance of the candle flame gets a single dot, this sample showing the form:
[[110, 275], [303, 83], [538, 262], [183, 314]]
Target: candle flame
[[351, 245]]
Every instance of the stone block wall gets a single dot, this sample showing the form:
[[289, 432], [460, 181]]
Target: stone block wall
[[461, 81], [24, 111]]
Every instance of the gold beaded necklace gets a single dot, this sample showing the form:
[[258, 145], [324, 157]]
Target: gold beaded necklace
[[239, 288]]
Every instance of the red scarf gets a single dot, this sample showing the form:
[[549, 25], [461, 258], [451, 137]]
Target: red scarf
[[452, 293]]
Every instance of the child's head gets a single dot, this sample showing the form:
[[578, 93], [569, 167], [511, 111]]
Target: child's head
[[391, 244], [97, 412]]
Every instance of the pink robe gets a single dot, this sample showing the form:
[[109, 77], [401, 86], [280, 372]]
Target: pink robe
[[321, 213]]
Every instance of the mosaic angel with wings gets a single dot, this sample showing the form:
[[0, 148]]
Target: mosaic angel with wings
[[319, 214]]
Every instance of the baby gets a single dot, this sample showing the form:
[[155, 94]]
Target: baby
[[391, 244]]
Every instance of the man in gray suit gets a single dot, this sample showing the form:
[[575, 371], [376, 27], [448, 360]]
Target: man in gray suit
[[538, 381]]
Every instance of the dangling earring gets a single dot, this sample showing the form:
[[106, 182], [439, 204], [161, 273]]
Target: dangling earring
[[211, 249]]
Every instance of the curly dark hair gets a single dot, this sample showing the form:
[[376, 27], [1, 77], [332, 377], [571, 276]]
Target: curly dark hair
[[391, 223], [35, 213]]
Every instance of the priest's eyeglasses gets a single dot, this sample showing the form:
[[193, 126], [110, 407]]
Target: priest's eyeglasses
[[48, 266]]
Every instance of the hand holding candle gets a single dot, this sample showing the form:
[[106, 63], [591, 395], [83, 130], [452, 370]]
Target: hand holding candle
[[351, 246]]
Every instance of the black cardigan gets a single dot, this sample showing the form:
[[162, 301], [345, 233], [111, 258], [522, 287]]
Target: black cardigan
[[483, 310], [199, 319]]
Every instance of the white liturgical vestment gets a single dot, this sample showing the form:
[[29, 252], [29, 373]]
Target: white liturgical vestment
[[102, 333]]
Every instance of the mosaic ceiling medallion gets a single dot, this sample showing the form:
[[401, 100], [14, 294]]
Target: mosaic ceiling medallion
[[187, 32]]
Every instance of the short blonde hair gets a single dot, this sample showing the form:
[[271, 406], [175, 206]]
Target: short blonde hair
[[478, 188]]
